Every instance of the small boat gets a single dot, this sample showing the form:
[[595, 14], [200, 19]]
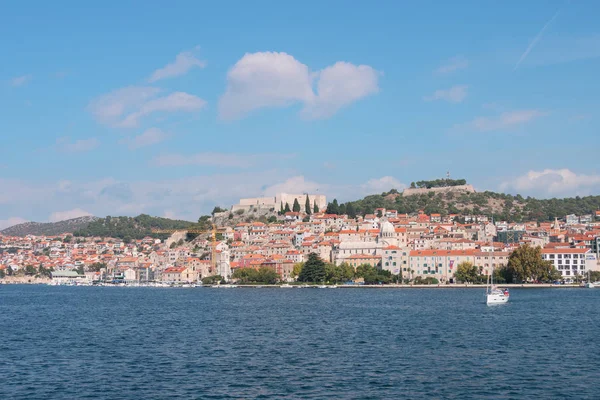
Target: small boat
[[286, 286], [588, 284], [497, 296], [493, 294]]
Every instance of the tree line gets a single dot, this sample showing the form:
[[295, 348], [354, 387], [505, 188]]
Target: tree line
[[506, 207], [525, 264]]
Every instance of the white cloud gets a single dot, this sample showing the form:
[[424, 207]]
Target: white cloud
[[218, 159], [456, 94], [340, 85], [267, 79], [554, 182], [147, 138], [174, 102], [506, 120], [78, 146], [452, 65], [294, 185], [383, 184], [65, 215], [272, 79], [109, 108], [187, 198], [298, 184], [184, 62], [7, 223], [20, 80]]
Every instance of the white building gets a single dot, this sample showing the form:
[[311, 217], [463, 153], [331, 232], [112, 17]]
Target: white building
[[571, 262]]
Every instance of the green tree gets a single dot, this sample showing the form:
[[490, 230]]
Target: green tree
[[315, 207], [45, 272], [347, 272], [30, 270], [296, 206], [265, 275], [297, 269], [80, 270], [218, 209], [526, 264], [313, 270], [333, 207], [96, 267], [272, 219], [2, 274], [287, 208], [211, 280], [350, 210], [467, 272], [307, 205]]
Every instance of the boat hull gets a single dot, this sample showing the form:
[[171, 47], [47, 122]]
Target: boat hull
[[496, 298]]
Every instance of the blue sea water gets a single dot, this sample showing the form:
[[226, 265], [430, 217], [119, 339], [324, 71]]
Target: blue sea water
[[202, 343]]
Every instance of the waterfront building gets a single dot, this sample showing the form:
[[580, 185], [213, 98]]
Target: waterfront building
[[571, 262]]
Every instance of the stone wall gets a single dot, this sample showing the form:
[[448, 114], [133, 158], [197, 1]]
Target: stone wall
[[461, 188]]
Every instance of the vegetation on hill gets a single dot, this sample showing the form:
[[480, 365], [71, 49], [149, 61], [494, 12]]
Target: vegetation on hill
[[128, 228], [48, 228], [438, 183], [501, 206]]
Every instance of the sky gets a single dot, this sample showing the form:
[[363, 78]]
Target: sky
[[129, 107]]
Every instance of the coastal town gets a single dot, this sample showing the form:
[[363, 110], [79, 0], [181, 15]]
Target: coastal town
[[417, 247]]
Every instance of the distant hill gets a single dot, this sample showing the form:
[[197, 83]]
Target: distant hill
[[501, 206], [48, 228], [129, 228]]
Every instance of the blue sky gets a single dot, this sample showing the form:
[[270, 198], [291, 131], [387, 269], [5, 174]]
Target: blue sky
[[130, 107]]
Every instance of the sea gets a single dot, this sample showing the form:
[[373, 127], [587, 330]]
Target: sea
[[273, 343]]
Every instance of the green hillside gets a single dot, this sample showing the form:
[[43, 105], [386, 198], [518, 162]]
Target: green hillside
[[129, 228], [501, 206]]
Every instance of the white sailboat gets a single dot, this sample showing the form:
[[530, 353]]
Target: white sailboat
[[495, 295]]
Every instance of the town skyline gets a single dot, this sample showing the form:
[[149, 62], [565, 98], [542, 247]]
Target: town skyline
[[106, 115]]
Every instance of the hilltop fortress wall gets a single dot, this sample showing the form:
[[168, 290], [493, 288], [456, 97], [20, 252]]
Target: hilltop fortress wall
[[445, 189], [281, 198]]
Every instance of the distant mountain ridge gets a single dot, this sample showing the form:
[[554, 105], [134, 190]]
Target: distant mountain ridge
[[48, 228]]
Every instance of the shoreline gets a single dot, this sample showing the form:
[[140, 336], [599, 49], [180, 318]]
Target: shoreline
[[302, 286]]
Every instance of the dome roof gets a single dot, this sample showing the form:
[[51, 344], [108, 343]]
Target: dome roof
[[387, 227]]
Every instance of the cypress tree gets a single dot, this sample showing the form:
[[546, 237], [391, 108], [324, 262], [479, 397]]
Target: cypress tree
[[287, 208], [296, 206], [307, 205], [316, 207], [350, 210]]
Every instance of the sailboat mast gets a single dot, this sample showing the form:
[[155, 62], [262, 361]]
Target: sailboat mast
[[492, 258]]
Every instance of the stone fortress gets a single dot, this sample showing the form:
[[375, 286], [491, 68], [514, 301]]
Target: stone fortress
[[279, 199], [445, 189]]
